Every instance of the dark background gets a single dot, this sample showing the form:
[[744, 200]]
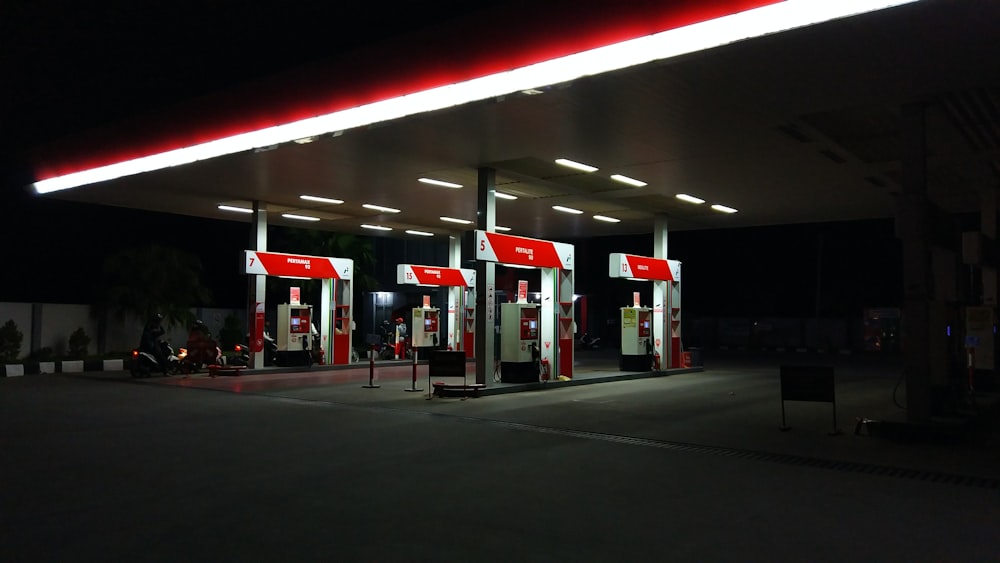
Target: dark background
[[70, 67]]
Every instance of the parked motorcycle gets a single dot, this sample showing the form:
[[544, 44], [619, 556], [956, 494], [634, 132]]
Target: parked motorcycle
[[202, 350], [386, 349], [588, 342], [242, 357], [145, 363], [154, 354]]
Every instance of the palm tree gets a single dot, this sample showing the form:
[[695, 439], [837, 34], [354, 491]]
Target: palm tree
[[324, 243], [140, 282]]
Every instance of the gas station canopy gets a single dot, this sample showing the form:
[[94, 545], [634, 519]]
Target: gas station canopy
[[746, 106]]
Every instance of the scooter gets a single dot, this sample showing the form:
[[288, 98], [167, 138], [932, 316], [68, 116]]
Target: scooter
[[200, 353], [588, 342], [387, 349], [242, 357], [144, 364]]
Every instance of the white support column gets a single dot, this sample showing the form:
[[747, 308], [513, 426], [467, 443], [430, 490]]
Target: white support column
[[549, 313], [456, 294], [485, 280], [326, 313], [257, 283], [661, 298]]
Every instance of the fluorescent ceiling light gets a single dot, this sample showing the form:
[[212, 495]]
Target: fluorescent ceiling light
[[567, 209], [299, 217], [304, 140], [518, 266], [723, 208], [439, 183], [376, 227], [502, 195], [419, 233], [627, 180], [236, 209], [576, 165], [454, 220], [319, 199], [380, 208], [499, 228], [689, 198], [757, 22], [607, 219]]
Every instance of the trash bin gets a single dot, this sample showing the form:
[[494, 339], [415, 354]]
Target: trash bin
[[695, 357]]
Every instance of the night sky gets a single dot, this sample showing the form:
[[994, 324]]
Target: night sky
[[70, 67]]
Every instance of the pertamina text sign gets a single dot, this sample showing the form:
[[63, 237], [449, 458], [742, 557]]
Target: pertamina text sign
[[522, 251], [643, 268], [297, 266], [433, 275]]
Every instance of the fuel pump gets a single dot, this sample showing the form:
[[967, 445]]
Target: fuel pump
[[294, 336], [519, 342], [637, 344], [426, 327]]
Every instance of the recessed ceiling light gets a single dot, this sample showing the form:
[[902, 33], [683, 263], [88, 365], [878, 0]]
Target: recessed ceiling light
[[419, 233], [689, 198], [499, 228], [236, 209], [567, 209], [299, 217], [439, 183], [319, 199], [454, 220], [380, 208], [376, 227], [502, 195], [607, 219], [576, 165], [532, 92], [305, 140], [627, 180], [723, 208]]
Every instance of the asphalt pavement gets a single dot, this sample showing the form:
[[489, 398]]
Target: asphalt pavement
[[706, 465]]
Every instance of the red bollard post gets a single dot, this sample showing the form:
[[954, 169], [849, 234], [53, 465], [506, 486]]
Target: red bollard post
[[371, 371], [414, 388]]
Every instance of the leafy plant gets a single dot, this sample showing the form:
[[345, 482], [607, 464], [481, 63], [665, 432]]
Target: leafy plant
[[10, 342], [78, 343], [44, 354], [140, 282], [231, 332]]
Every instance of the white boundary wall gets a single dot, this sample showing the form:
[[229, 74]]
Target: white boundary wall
[[58, 321]]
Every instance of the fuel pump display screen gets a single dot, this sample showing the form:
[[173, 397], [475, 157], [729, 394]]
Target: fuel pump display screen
[[644, 328], [529, 329], [299, 324]]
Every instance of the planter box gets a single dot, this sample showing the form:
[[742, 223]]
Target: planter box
[[13, 370], [71, 366], [113, 365]]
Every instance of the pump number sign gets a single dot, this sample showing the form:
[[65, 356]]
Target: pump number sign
[[297, 266], [433, 275], [643, 268], [522, 251]]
